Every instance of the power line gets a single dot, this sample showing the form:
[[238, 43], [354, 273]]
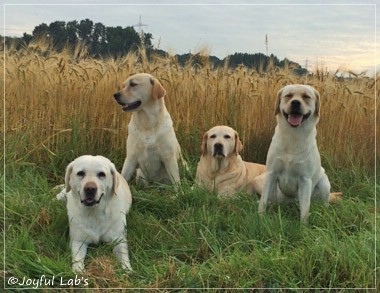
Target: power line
[[140, 26]]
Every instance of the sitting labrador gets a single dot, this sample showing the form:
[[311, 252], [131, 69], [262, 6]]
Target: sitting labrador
[[152, 147], [221, 168], [294, 168]]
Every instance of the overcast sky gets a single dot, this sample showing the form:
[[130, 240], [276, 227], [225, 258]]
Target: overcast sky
[[333, 36]]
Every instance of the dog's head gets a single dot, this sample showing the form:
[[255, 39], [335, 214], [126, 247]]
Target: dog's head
[[297, 104], [221, 142], [91, 178], [139, 89]]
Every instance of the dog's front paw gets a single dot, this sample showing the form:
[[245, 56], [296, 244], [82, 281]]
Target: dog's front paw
[[78, 267], [261, 208], [62, 194], [126, 266]]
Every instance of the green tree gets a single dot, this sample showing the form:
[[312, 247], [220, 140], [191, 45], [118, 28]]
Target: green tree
[[148, 37], [121, 40], [26, 38], [85, 28], [41, 31], [99, 36], [58, 32], [72, 32]]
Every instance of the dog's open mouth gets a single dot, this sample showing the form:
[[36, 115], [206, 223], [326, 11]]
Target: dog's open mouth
[[130, 106], [295, 119], [90, 201]]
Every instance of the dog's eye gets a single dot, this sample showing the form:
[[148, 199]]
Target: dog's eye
[[227, 136], [213, 136], [132, 83], [306, 97], [101, 175], [81, 173], [289, 96]]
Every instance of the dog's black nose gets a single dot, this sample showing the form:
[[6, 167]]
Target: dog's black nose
[[218, 146], [295, 104], [116, 95], [218, 149]]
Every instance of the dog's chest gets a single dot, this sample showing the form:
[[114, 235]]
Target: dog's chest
[[149, 151], [153, 147], [150, 143], [290, 169], [150, 160], [148, 139], [95, 229]]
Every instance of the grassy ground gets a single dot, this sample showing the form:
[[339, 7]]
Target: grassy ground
[[192, 239], [189, 239]]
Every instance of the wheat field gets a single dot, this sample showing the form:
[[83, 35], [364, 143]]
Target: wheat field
[[59, 105], [47, 94]]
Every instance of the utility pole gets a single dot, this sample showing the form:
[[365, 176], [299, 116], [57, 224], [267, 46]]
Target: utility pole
[[140, 26]]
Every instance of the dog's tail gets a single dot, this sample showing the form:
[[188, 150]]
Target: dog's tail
[[62, 194], [335, 197]]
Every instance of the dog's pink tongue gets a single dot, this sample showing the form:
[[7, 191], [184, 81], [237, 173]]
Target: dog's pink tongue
[[295, 119]]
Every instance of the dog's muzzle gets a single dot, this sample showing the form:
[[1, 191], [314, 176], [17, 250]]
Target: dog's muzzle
[[90, 191], [218, 150], [130, 106], [127, 107], [295, 117]]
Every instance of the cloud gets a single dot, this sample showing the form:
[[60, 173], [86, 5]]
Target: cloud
[[339, 34]]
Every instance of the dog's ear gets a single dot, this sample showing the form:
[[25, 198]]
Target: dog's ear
[[278, 101], [238, 144], [69, 170], [115, 179], [317, 103], [204, 144], [158, 90]]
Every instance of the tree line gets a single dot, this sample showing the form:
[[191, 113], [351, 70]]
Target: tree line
[[99, 39], [105, 41]]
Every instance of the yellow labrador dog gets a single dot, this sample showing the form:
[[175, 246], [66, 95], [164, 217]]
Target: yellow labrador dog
[[293, 160], [221, 168], [98, 199], [152, 147]]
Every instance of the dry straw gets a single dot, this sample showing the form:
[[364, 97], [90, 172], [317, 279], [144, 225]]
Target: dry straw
[[45, 91]]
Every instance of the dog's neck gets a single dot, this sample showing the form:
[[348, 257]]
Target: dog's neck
[[148, 118], [216, 164], [219, 164], [296, 140]]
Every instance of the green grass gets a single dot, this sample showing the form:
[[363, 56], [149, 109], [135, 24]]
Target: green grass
[[192, 239]]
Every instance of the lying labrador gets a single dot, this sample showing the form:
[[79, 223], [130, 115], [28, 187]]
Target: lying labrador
[[152, 147], [98, 199], [293, 160], [221, 168]]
